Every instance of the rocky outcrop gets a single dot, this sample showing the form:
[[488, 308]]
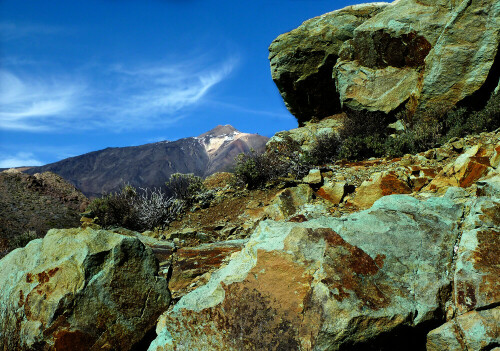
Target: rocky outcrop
[[79, 290], [409, 272], [418, 55], [343, 283], [379, 185], [303, 59]]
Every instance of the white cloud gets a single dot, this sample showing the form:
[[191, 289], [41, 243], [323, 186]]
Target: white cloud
[[156, 95], [31, 104], [120, 98], [18, 160]]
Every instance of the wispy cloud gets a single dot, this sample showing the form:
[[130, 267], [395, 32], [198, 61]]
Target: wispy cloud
[[18, 160], [157, 94], [34, 104], [14, 31], [122, 97]]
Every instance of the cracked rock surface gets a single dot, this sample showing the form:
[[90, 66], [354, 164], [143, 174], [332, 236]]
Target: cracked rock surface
[[79, 290]]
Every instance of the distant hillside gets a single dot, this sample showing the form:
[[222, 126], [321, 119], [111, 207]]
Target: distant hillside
[[150, 165], [36, 203]]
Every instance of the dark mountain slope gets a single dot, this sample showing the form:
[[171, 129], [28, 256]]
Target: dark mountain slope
[[150, 165]]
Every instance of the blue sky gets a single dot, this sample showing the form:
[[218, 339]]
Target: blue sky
[[78, 76]]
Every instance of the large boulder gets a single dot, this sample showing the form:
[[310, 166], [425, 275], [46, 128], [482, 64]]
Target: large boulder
[[421, 55], [303, 59], [79, 290], [476, 293], [378, 278]]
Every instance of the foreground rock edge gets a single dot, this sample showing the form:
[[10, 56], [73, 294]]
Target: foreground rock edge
[[81, 290]]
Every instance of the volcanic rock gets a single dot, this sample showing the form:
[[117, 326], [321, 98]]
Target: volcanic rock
[[79, 290], [417, 55], [327, 283], [303, 59]]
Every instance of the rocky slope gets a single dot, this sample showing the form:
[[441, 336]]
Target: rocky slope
[[414, 272], [385, 254], [409, 54], [381, 254], [32, 204], [151, 165]]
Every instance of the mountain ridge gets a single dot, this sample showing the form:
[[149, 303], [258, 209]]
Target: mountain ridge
[[150, 165]]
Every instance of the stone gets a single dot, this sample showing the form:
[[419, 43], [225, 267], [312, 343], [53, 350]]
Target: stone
[[389, 57], [314, 177], [80, 290], [288, 202], [306, 135], [476, 283], [189, 263], [467, 169], [495, 157], [333, 192], [380, 184], [458, 145], [475, 330], [397, 126], [303, 59], [489, 186], [368, 280]]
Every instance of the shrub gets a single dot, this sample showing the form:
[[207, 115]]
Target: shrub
[[128, 208], [364, 123], [185, 186], [460, 122], [257, 170], [116, 209], [363, 135], [156, 210], [325, 149], [252, 169]]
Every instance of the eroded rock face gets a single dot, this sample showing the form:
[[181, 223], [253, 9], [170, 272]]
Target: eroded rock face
[[476, 330], [327, 283], [303, 59], [420, 55], [79, 290]]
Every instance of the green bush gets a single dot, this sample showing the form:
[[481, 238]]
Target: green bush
[[116, 209], [252, 169], [461, 122], [258, 170], [185, 186], [325, 149]]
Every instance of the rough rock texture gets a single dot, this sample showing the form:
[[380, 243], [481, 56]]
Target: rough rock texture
[[423, 55], [79, 290], [343, 283], [333, 191], [191, 264], [303, 59], [476, 330], [306, 135], [379, 185], [470, 166]]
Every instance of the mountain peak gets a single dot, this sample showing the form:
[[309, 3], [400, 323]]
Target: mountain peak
[[220, 130]]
